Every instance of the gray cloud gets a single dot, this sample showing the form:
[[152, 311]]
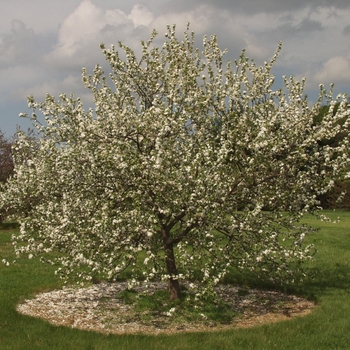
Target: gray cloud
[[19, 46], [308, 26], [288, 29], [256, 6], [346, 30]]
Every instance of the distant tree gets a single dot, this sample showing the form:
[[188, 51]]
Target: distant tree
[[339, 196], [154, 175], [6, 162]]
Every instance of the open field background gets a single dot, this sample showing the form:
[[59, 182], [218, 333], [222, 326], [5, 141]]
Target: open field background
[[327, 327]]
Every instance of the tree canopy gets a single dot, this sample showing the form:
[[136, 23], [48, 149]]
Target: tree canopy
[[186, 166]]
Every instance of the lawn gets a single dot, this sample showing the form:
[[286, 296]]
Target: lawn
[[327, 327]]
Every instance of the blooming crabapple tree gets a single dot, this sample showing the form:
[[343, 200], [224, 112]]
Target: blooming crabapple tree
[[6, 163], [185, 168]]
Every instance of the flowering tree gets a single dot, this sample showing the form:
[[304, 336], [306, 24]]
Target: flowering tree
[[185, 167], [6, 163]]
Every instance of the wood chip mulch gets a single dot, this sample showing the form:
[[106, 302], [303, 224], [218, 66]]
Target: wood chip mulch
[[97, 308]]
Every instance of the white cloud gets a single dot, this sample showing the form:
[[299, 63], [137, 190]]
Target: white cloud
[[335, 70], [200, 18], [141, 15], [82, 32]]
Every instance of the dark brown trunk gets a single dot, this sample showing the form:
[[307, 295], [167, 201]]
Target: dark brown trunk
[[173, 284]]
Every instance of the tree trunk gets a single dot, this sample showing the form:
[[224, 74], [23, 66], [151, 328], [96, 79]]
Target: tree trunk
[[173, 284]]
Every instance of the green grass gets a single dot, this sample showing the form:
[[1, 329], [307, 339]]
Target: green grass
[[327, 327], [158, 304]]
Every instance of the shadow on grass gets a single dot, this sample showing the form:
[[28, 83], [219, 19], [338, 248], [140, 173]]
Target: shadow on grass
[[9, 225], [317, 282], [330, 277]]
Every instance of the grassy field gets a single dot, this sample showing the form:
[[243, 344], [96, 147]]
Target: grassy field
[[327, 327]]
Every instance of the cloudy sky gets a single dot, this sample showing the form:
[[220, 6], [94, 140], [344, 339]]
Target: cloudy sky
[[44, 44]]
